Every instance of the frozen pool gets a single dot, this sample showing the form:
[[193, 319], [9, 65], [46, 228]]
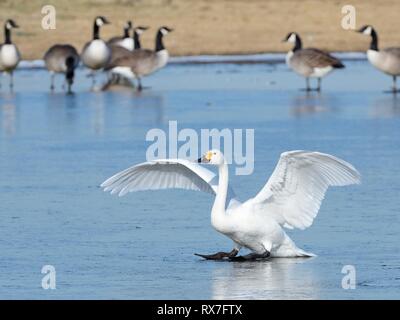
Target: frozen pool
[[56, 150]]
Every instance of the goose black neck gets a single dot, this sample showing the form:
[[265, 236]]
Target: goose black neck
[[374, 41], [159, 41], [297, 45], [7, 35], [136, 40], [96, 31], [126, 32]]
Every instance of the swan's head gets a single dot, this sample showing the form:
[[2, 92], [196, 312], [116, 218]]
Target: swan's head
[[366, 30], [214, 157]]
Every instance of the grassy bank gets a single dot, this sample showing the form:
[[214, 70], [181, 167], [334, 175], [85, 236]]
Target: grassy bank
[[206, 26]]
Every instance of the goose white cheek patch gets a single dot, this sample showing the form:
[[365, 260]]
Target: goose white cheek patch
[[367, 31], [292, 38]]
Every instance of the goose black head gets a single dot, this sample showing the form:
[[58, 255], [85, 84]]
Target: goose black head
[[128, 25], [101, 20], [141, 29], [165, 30], [367, 30], [10, 24], [291, 37]]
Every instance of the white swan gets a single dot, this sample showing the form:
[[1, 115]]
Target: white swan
[[291, 198]]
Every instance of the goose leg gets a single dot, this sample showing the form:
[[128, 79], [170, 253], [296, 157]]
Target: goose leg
[[52, 82], [308, 84], [11, 81], [94, 81], [219, 255], [251, 256], [140, 88], [69, 88], [319, 85], [93, 75], [394, 84]]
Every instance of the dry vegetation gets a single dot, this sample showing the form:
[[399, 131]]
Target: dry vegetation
[[206, 26]]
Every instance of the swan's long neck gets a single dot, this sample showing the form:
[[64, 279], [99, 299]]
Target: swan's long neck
[[218, 213]]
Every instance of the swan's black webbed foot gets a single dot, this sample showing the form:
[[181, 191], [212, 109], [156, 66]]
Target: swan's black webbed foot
[[219, 255], [252, 257]]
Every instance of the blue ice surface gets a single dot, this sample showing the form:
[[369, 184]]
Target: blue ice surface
[[55, 150]]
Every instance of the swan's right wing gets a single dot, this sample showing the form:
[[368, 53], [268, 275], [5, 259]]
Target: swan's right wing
[[296, 188], [164, 174]]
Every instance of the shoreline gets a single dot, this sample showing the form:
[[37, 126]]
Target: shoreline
[[257, 58], [205, 27]]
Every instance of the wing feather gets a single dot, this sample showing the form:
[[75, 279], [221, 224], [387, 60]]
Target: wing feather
[[296, 188], [165, 174]]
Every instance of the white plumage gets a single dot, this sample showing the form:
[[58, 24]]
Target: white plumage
[[296, 188], [291, 198], [165, 174]]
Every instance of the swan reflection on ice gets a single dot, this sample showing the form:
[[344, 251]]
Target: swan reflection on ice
[[278, 278]]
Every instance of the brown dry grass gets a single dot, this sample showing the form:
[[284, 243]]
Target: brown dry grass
[[207, 26]]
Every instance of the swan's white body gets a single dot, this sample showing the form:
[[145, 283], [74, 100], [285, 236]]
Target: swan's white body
[[291, 198]]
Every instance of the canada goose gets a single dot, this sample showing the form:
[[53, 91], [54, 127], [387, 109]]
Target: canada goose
[[118, 52], [9, 54], [62, 58], [96, 53], [310, 62], [386, 60], [126, 41], [143, 62]]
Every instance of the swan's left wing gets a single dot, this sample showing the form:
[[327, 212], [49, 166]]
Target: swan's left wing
[[165, 174], [296, 188]]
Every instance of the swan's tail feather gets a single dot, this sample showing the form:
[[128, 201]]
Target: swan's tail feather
[[288, 249], [302, 253]]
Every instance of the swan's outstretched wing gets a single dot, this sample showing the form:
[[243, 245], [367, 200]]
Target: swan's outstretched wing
[[165, 174], [296, 188]]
